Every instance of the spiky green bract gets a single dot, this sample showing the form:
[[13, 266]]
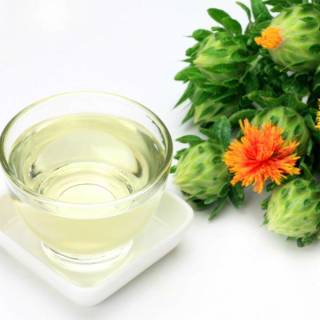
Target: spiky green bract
[[201, 173], [292, 123], [300, 31], [221, 58], [294, 210], [207, 112]]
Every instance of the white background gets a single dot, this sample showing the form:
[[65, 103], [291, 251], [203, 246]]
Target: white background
[[232, 268]]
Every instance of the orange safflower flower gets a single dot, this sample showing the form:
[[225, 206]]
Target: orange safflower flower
[[261, 154], [270, 38]]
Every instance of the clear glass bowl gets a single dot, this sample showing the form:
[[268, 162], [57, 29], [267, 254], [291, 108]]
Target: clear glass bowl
[[85, 236]]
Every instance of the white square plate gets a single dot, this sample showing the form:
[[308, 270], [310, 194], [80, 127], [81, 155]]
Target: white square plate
[[161, 235]]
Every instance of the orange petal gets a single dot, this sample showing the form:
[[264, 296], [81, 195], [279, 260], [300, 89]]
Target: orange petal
[[261, 155]]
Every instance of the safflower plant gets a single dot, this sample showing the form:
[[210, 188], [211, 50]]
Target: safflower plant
[[253, 93]]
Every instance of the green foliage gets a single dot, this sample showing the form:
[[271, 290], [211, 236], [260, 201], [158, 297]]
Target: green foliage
[[218, 64], [190, 139], [225, 20], [228, 74], [245, 9], [221, 131], [242, 114], [279, 5], [230, 78], [260, 11], [237, 196]]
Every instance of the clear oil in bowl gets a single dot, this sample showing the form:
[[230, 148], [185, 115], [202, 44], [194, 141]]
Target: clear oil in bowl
[[85, 159]]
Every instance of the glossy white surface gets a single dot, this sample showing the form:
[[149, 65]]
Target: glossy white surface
[[162, 234], [232, 268]]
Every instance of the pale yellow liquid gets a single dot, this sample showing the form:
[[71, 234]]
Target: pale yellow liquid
[[87, 159]]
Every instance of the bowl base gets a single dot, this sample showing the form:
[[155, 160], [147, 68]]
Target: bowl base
[[85, 263]]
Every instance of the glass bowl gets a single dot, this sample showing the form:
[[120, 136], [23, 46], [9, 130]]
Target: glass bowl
[[82, 223]]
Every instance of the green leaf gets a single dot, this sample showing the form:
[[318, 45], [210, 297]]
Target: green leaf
[[199, 96], [231, 83], [236, 195], [294, 102], [218, 206], [256, 28], [221, 130], [173, 169], [245, 8], [188, 73], [264, 203], [260, 11], [270, 186], [232, 25], [242, 114], [240, 56], [265, 219], [183, 75], [316, 81], [251, 82], [200, 34], [307, 240], [315, 49], [190, 139], [217, 29], [223, 94], [309, 148], [188, 116], [186, 95], [180, 153], [224, 191], [306, 171], [311, 125], [217, 14], [207, 132], [192, 52], [225, 20], [210, 201], [297, 84]]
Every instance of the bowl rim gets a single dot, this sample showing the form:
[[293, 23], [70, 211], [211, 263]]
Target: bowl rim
[[17, 183]]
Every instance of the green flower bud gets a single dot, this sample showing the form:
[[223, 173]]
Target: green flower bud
[[291, 122], [221, 58], [294, 209], [201, 173], [293, 38]]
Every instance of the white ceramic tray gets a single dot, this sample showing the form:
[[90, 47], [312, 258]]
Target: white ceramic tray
[[161, 235]]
